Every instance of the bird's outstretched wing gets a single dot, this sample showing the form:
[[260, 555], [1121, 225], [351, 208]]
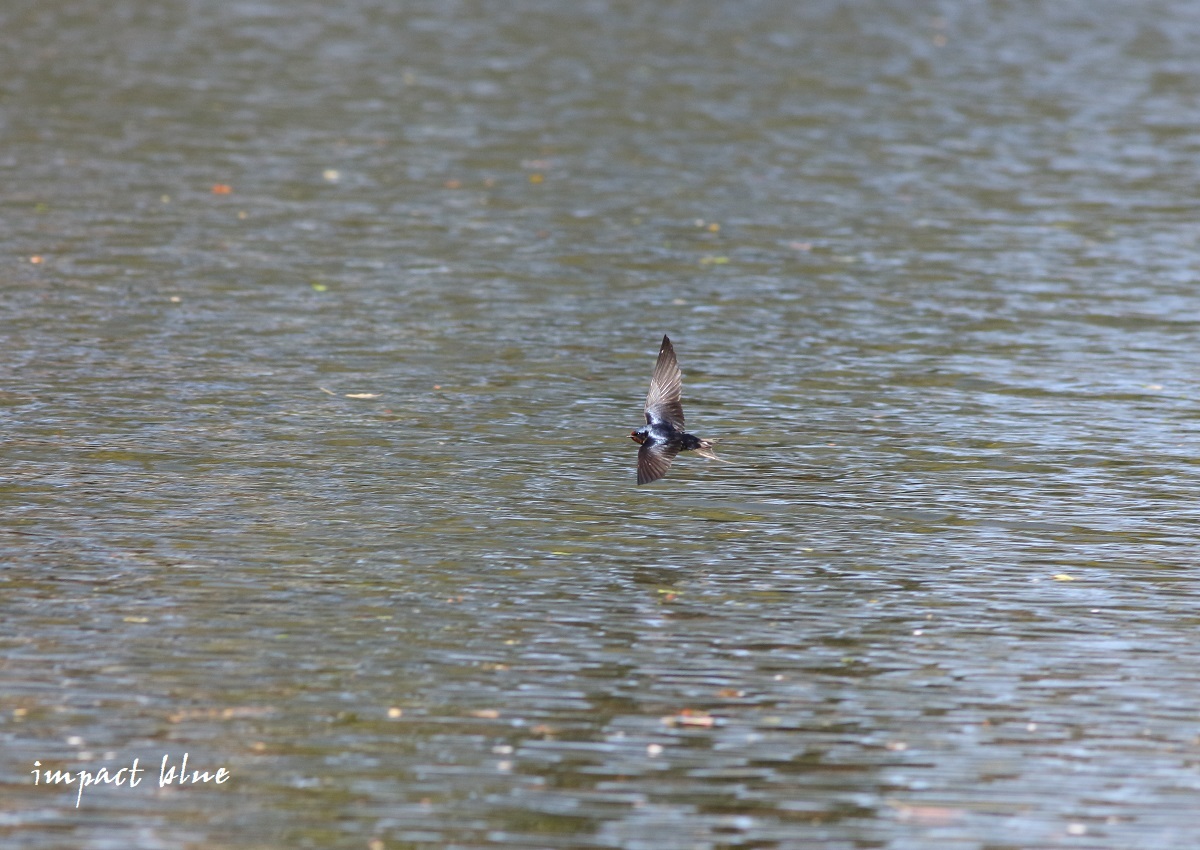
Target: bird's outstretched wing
[[666, 389], [654, 459]]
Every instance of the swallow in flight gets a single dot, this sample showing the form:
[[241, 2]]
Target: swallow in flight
[[664, 437]]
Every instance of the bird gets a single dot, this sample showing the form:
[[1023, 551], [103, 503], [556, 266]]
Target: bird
[[663, 437]]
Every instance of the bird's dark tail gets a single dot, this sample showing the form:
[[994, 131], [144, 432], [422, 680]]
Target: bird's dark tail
[[705, 450]]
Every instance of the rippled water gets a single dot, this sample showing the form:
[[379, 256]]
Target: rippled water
[[325, 327]]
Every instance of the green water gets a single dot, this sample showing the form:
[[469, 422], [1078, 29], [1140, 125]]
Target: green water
[[324, 330]]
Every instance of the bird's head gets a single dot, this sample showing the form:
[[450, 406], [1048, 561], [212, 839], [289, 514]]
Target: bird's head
[[638, 436]]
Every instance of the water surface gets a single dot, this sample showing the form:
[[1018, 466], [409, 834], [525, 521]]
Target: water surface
[[324, 330]]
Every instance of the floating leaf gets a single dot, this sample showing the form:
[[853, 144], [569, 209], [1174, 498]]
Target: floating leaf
[[691, 717]]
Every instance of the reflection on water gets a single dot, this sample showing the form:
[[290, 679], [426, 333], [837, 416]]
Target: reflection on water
[[326, 329]]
